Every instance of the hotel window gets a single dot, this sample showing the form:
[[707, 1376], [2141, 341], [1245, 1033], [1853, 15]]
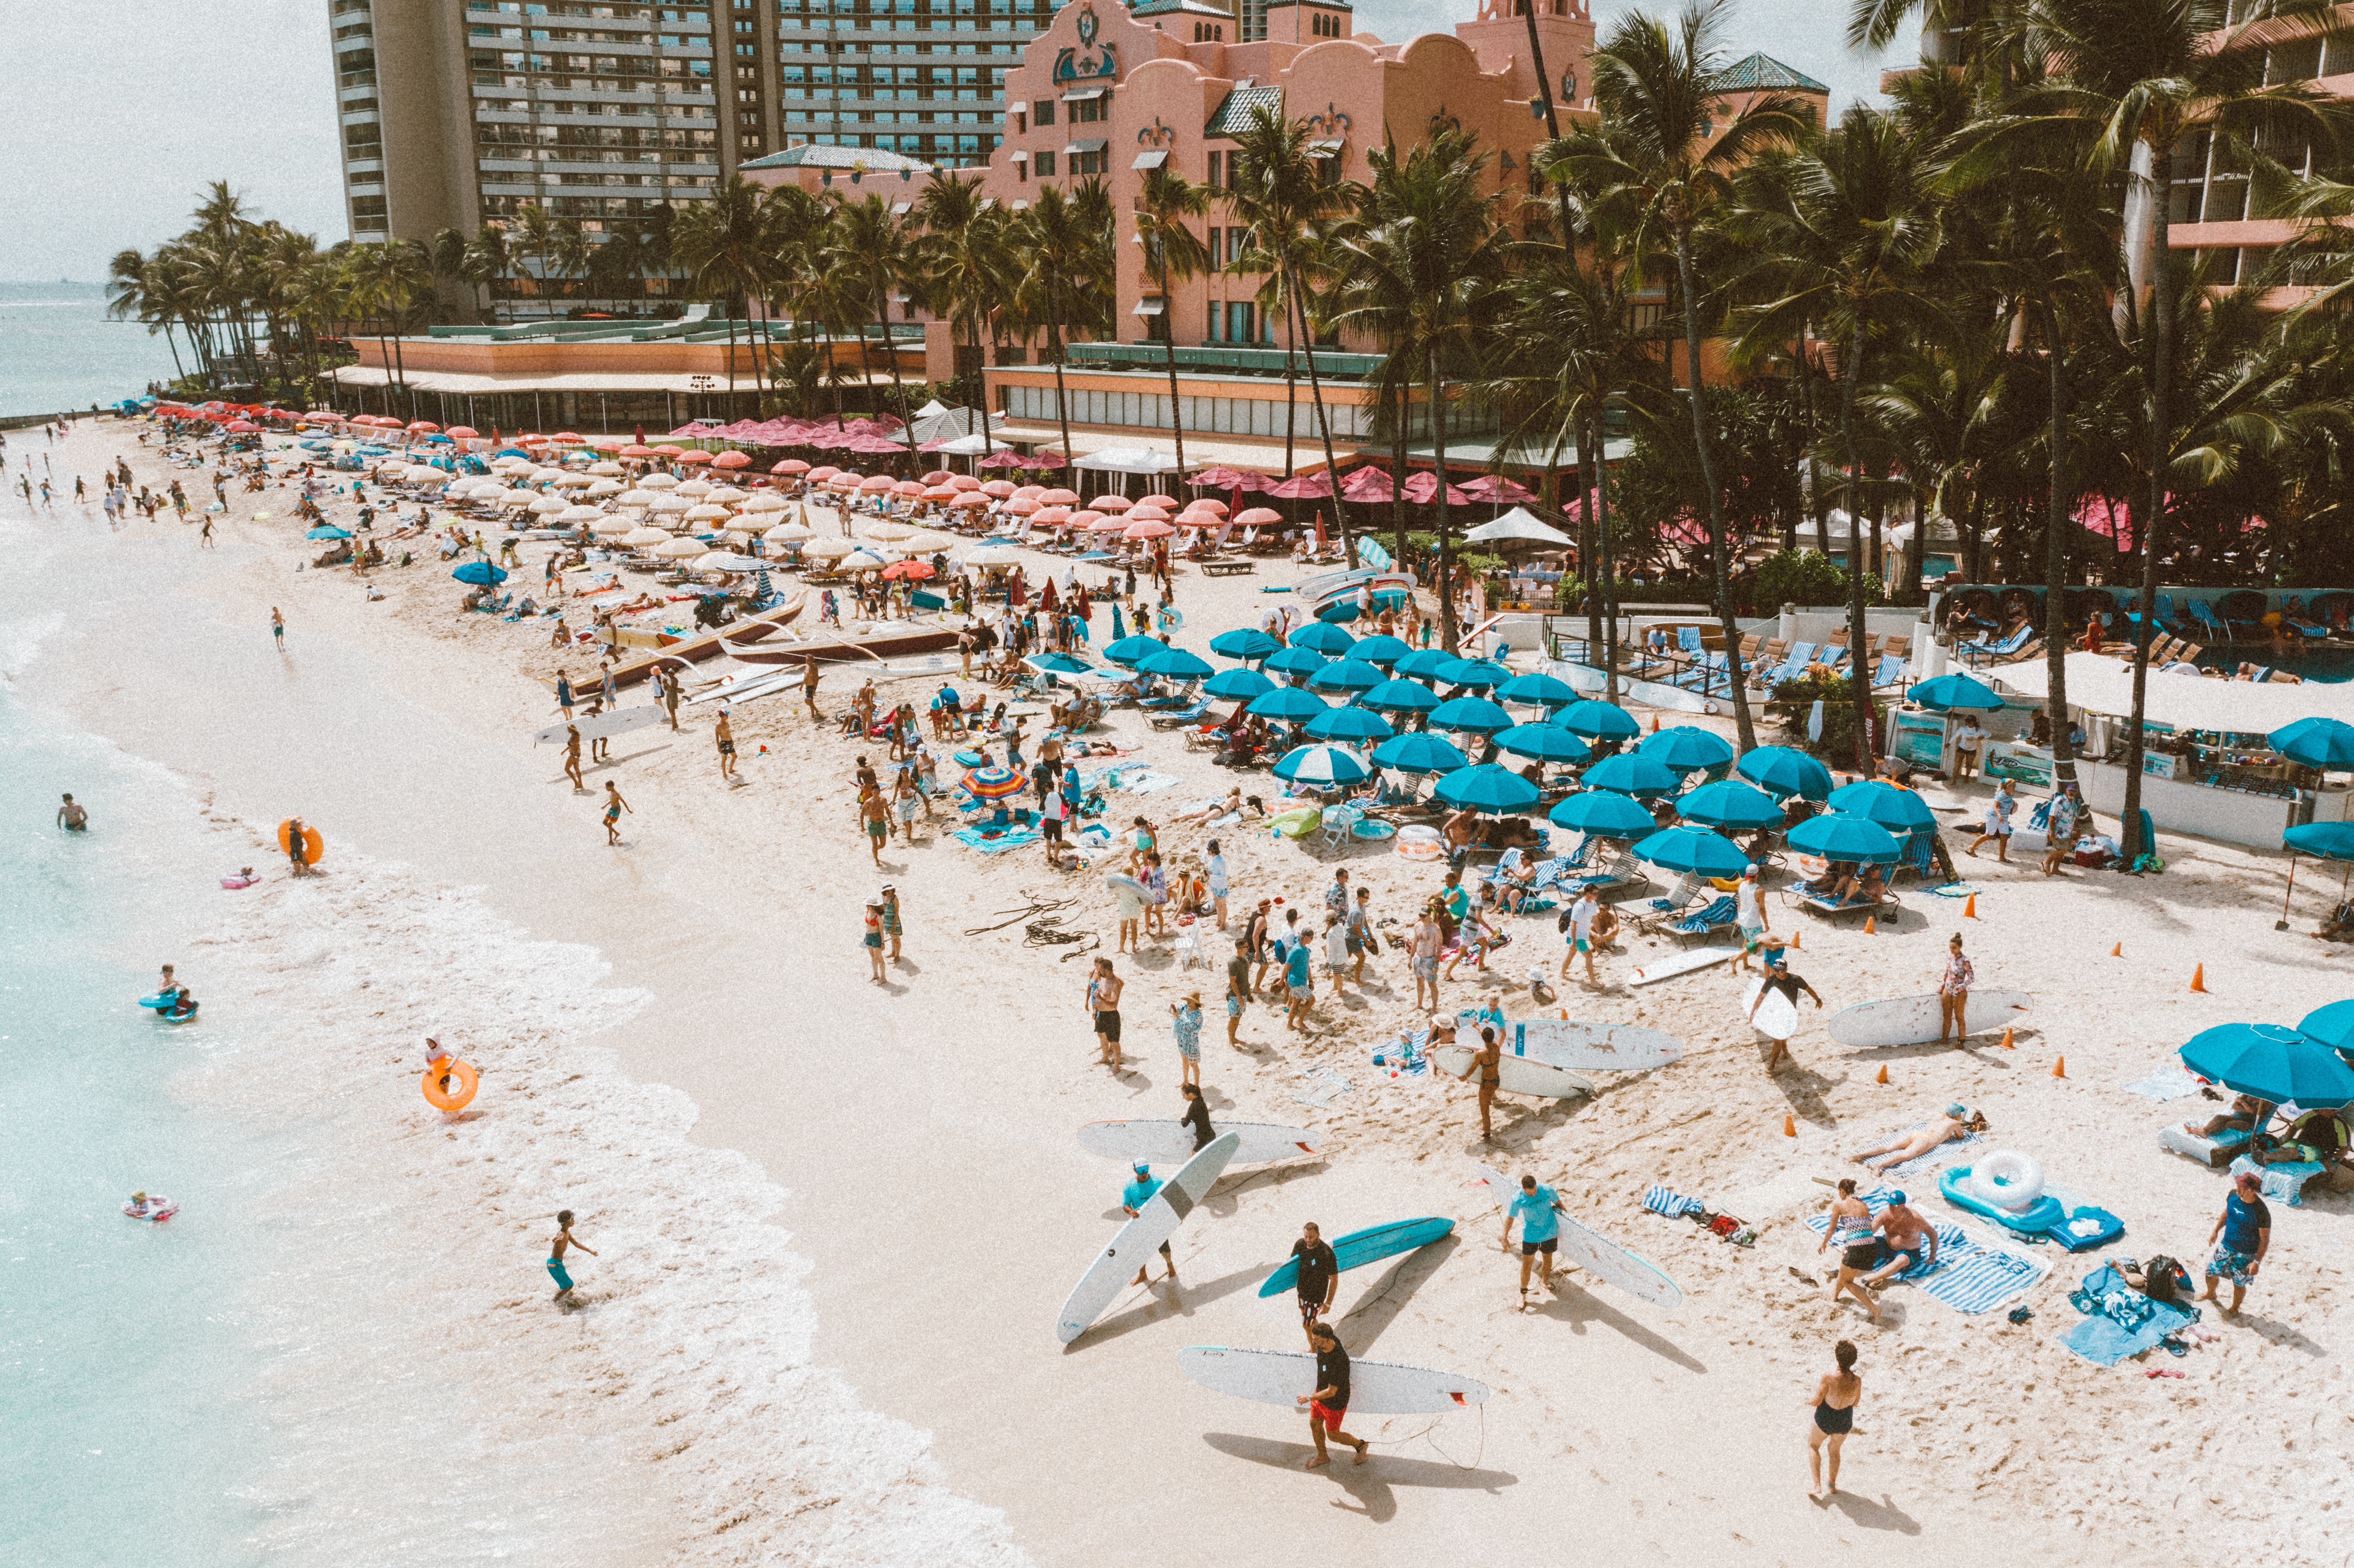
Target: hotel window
[[1045, 162], [1218, 181], [1242, 321], [1046, 115]]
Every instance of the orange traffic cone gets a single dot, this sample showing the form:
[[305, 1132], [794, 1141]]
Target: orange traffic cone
[[1790, 1125], [2118, 951], [1795, 937], [1872, 924], [2060, 1067], [2005, 1041], [1970, 907], [1883, 1076], [1655, 724], [2199, 978]]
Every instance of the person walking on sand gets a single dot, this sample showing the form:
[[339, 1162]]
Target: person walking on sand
[[1487, 1062], [1851, 1230], [2245, 1228], [565, 1240], [572, 759], [724, 737], [669, 682], [1214, 866], [1581, 933], [1537, 1208], [277, 629], [1298, 982], [808, 688], [1328, 1405], [1363, 938], [1779, 978], [871, 937], [1104, 987], [204, 533], [891, 924], [72, 817], [1748, 917], [1317, 1279], [614, 807], [1132, 1198], [1954, 993], [1196, 1119], [1238, 991], [875, 814], [1424, 957], [1837, 1394], [296, 848], [1999, 814]]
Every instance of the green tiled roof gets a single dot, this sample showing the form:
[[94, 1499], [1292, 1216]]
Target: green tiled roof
[[1179, 7], [1764, 73], [1233, 115]]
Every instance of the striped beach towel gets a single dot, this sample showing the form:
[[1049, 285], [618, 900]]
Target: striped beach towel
[[1967, 1277], [1675, 1205]]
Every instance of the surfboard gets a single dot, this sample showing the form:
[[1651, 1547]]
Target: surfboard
[[1119, 881], [1913, 1020], [313, 846], [1174, 1141], [1681, 963], [1517, 1074], [1777, 1015], [1369, 1246], [1375, 1388], [611, 722], [1590, 1047], [1136, 1241], [1596, 1254]]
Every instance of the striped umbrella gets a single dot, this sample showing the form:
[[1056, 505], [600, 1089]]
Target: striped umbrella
[[1322, 764], [994, 783]]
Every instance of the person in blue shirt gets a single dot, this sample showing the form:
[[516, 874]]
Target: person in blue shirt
[[1132, 1198], [2246, 1229], [1299, 979], [1538, 1209]]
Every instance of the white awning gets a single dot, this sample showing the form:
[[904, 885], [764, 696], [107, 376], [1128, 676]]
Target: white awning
[[1322, 149], [1152, 158], [1017, 109], [1095, 146], [1522, 524], [1149, 307], [2101, 683], [1018, 155], [1083, 94]]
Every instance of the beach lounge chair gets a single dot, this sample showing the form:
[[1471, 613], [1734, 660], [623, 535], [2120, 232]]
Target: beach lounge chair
[[1715, 915], [2212, 1152], [1801, 655], [2002, 648], [1679, 896], [1178, 718], [1823, 904]]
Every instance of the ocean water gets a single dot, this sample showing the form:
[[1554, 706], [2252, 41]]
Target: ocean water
[[60, 353], [124, 1346]]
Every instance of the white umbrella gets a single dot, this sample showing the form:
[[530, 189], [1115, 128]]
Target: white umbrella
[[727, 561], [860, 561], [973, 445], [605, 487], [421, 473], [639, 538], [697, 488], [548, 505], [891, 530], [607, 467], [580, 514], [614, 527], [708, 512], [679, 550], [762, 501], [572, 481], [517, 497], [927, 544], [546, 475], [657, 481], [726, 495], [827, 549], [670, 503], [1522, 525], [992, 555], [1127, 460], [787, 533], [638, 498]]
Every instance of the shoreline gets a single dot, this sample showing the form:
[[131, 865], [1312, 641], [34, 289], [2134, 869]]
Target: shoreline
[[922, 1136]]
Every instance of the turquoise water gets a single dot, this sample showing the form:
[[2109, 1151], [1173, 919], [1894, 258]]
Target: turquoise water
[[59, 352], [126, 1438]]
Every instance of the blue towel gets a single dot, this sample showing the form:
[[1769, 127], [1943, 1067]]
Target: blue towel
[[1550, 873], [2283, 1183], [995, 843], [1967, 1277], [2105, 1342], [2120, 1321], [1675, 1205]]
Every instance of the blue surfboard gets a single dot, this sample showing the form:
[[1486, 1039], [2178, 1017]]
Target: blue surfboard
[[1360, 1247]]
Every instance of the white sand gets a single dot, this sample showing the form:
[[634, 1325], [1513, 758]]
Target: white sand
[[933, 1196]]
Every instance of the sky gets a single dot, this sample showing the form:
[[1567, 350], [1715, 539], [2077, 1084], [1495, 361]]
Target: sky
[[118, 112]]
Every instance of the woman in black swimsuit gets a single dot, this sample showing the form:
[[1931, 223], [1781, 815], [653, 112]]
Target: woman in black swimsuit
[[1836, 1397]]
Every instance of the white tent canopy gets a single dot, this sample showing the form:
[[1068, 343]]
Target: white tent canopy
[[1522, 524], [2101, 684], [1127, 460], [973, 445]]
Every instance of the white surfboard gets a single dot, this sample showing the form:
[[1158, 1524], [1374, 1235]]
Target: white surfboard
[[1516, 1074], [1913, 1020], [1375, 1388], [1777, 1015], [1141, 1237], [1682, 963], [1174, 1141], [1596, 1254], [1585, 1047], [613, 721]]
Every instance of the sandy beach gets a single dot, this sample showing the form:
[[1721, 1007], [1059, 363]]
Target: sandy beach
[[835, 1219]]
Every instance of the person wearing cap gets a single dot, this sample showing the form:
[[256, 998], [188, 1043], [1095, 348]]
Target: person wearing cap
[[889, 900], [1779, 978], [1960, 1122], [1905, 1239], [1132, 1198], [1749, 915], [2246, 1229]]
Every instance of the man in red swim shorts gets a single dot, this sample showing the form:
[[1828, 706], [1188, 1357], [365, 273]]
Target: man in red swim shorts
[[1328, 1405]]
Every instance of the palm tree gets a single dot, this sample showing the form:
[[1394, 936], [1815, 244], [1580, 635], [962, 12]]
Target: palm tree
[[1665, 170], [870, 240], [388, 279], [1165, 207], [1422, 277], [963, 262], [533, 237], [1054, 237], [723, 246], [488, 262]]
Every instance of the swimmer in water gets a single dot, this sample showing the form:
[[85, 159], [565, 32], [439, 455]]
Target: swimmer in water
[[72, 817], [564, 1238]]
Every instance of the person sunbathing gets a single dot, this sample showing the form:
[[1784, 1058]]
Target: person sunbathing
[[1201, 814], [1837, 874], [1862, 885], [2247, 1114], [2318, 1137], [1959, 1121]]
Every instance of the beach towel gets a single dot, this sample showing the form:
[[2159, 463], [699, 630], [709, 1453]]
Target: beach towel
[[2166, 1084], [1953, 889], [1675, 1205], [1552, 873], [1320, 1086], [995, 842], [1941, 1155], [2120, 1321], [1145, 783], [2283, 1183], [1969, 1276], [1404, 1054]]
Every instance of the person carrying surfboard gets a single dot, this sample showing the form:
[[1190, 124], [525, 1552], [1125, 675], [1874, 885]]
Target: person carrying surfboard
[[1132, 1198], [1537, 1208], [1328, 1406], [1779, 978]]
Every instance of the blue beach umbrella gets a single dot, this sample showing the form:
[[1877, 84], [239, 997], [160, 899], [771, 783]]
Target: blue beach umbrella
[[1537, 689], [1401, 696], [1238, 684], [1835, 835], [1244, 642], [1687, 748], [1094, 557], [2323, 841], [1423, 663], [1729, 803], [1419, 753], [480, 572], [1488, 787], [1052, 664], [1784, 771], [1347, 675], [1700, 851], [1601, 813], [2272, 1062], [1288, 705], [1322, 764], [1632, 773], [1176, 664], [327, 531], [2332, 1024], [1476, 674], [1475, 714], [1597, 720], [1130, 652], [1960, 690], [2316, 743], [1297, 662], [1380, 649], [1352, 724], [1877, 800], [1543, 742], [1324, 637]]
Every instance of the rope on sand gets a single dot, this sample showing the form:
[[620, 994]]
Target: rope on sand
[[1030, 911]]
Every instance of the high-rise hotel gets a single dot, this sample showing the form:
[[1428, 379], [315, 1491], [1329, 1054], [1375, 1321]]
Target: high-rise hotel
[[454, 112]]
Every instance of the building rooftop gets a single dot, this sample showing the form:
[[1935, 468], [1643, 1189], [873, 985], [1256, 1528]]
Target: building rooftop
[[1233, 115], [873, 160], [1152, 8], [1764, 73]]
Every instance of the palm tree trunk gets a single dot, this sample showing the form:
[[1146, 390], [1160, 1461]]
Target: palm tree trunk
[[1586, 540], [1397, 459], [1323, 423], [2059, 504], [1055, 345], [1169, 357], [2161, 440], [898, 389], [1447, 626], [1746, 736], [1858, 678], [1816, 499], [1609, 568]]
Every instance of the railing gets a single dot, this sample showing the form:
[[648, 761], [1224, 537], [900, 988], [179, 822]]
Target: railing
[[1234, 358]]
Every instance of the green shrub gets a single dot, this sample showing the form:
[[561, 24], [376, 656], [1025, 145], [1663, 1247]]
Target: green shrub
[[1794, 700]]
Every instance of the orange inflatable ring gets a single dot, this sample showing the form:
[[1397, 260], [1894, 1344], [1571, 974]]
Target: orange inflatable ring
[[313, 846], [468, 1079]]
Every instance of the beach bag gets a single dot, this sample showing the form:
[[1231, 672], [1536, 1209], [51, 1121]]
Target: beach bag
[[2164, 1279]]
